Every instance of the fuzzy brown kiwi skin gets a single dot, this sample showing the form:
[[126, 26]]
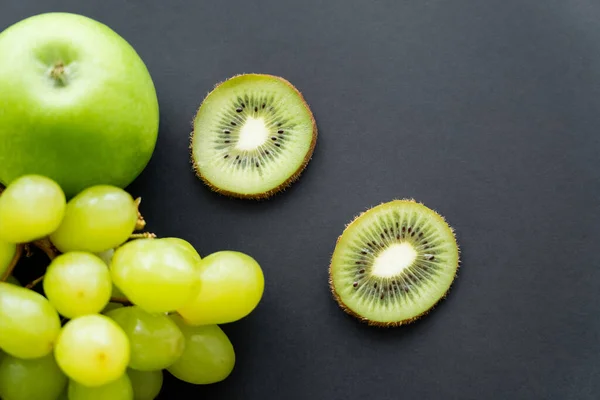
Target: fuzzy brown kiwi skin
[[293, 178], [391, 324]]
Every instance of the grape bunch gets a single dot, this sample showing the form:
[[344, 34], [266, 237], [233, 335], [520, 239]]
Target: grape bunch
[[115, 308]]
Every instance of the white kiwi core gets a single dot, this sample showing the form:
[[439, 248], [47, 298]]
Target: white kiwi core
[[253, 134], [393, 260]]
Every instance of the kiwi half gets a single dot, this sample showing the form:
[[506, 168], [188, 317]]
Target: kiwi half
[[253, 136], [393, 263]]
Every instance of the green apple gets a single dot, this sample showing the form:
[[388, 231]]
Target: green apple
[[77, 103]]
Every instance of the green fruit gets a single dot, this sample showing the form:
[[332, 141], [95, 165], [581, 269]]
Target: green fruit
[[29, 325], [208, 356], [92, 350], [38, 378], [393, 263], [253, 136], [232, 285], [146, 384], [77, 103], [118, 389], [155, 275], [156, 342], [7, 253], [184, 244], [97, 219], [31, 207]]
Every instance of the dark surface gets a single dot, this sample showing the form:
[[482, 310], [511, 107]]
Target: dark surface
[[487, 111]]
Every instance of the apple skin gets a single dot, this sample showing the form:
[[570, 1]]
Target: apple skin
[[99, 127]]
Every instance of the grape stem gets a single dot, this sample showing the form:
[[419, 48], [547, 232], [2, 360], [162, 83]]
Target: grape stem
[[143, 235], [32, 284], [13, 262], [28, 251], [47, 247], [120, 300], [141, 222]]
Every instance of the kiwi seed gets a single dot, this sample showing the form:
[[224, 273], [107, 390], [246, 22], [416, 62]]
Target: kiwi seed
[[253, 136], [393, 263]]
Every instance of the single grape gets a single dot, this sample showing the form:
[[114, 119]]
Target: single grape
[[156, 342], [7, 253], [119, 389], [155, 275], [146, 384], [78, 283], [184, 244], [111, 306], [29, 325], [31, 207], [106, 255], [208, 356], [11, 279], [97, 219], [232, 286], [34, 379], [92, 350]]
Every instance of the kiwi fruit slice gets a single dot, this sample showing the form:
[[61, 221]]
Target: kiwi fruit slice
[[393, 263], [253, 136]]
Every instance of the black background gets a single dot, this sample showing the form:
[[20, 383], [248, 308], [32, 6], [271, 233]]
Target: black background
[[487, 111]]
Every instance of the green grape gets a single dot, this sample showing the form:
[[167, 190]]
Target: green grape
[[92, 350], [7, 253], [146, 384], [106, 256], [184, 245], [156, 342], [155, 275], [34, 379], [78, 283], [31, 207], [11, 279], [232, 286], [111, 306], [29, 324], [119, 389], [97, 219], [208, 356]]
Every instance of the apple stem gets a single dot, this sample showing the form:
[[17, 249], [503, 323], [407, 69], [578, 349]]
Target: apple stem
[[58, 74]]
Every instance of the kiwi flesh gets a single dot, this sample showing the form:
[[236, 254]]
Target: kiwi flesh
[[394, 263], [253, 136]]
